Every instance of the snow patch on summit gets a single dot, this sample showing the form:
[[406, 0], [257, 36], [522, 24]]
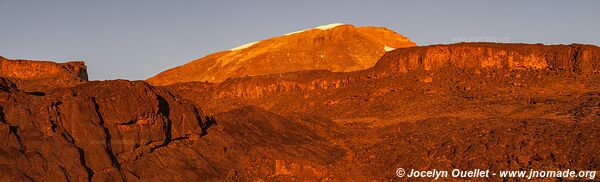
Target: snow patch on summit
[[322, 27], [387, 49], [330, 26], [243, 46]]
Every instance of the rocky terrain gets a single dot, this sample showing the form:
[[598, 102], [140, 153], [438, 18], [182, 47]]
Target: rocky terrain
[[466, 106], [335, 47], [43, 75], [428, 107]]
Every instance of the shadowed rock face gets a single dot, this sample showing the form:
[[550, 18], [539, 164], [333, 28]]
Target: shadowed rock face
[[43, 75], [340, 49], [131, 131], [97, 131]]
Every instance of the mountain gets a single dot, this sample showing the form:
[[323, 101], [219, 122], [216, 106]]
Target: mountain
[[459, 106], [334, 47], [42, 75]]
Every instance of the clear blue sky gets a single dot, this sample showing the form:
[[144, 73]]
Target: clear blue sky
[[138, 39]]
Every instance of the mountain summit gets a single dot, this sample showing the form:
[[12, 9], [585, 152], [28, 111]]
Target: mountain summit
[[335, 47]]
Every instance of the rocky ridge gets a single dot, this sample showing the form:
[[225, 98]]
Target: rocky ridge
[[478, 57]]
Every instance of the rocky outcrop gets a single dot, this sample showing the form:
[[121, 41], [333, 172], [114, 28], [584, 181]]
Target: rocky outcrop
[[338, 48], [43, 75], [259, 86], [94, 131], [131, 131], [584, 59]]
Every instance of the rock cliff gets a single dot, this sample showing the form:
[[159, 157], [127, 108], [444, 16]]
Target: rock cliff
[[583, 59], [442, 59], [43, 75], [94, 131]]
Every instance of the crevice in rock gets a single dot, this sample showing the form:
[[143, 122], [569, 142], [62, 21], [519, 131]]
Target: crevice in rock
[[2, 117], [198, 116], [89, 170], [575, 58], [81, 152], [163, 108], [54, 122], [27, 176], [64, 171], [36, 93], [168, 136], [107, 144], [133, 121], [68, 137], [14, 130], [207, 124]]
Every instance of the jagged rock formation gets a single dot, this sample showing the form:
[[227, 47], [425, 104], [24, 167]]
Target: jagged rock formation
[[95, 131], [131, 131], [43, 75], [338, 48]]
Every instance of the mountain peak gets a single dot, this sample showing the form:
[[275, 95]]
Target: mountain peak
[[329, 26], [322, 27], [335, 47]]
